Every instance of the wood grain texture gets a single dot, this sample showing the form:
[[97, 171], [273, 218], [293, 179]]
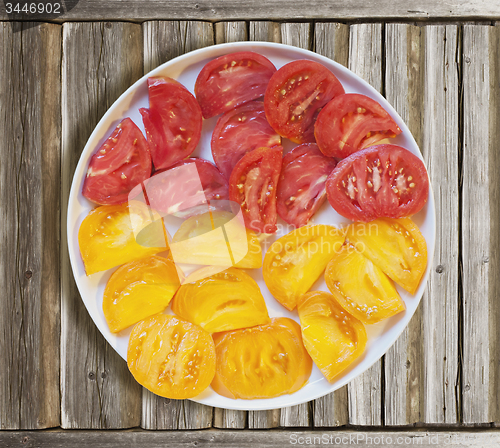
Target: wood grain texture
[[99, 62], [480, 210], [265, 31], [332, 40], [216, 10], [404, 84], [164, 41], [440, 312], [30, 92], [365, 59], [244, 439]]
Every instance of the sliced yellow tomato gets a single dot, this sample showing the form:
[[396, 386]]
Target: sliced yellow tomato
[[216, 238], [171, 357], [225, 301], [333, 337], [112, 235], [261, 362], [295, 261], [360, 287], [396, 246], [137, 290]]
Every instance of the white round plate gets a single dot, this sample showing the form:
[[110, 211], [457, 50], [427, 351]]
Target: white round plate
[[185, 69]]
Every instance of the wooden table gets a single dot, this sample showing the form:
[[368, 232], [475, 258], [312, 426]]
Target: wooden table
[[437, 63]]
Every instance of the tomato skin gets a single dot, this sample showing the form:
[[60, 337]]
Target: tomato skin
[[333, 338], [351, 122], [225, 301], [301, 188], [261, 362], [122, 162], [253, 184], [231, 80], [360, 287], [137, 290], [396, 246], [107, 236], [171, 357], [240, 131], [172, 122], [380, 181], [295, 95], [295, 261]]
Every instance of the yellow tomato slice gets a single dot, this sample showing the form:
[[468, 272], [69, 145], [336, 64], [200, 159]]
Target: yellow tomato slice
[[216, 238], [107, 236], [224, 301], [332, 337], [396, 246], [137, 290], [360, 287], [295, 261], [261, 362], [171, 357]]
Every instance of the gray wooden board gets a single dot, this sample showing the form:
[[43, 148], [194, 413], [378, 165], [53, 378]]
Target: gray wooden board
[[29, 215], [99, 62], [246, 438], [365, 59], [163, 41], [216, 10]]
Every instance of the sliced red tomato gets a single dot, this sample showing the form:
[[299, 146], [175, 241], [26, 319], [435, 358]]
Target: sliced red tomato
[[352, 122], [185, 185], [122, 162], [239, 131], [301, 189], [253, 185], [231, 80], [173, 121], [380, 181], [295, 95]]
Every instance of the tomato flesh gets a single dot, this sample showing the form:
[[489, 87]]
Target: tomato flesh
[[261, 362], [231, 80], [240, 131], [295, 95], [122, 162], [295, 261], [172, 122], [351, 122], [301, 188], [380, 181], [253, 185], [333, 337], [171, 357]]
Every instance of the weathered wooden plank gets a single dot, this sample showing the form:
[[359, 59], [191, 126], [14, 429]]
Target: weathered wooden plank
[[365, 59], [230, 32], [29, 232], [243, 439], [99, 62], [216, 10], [404, 84], [480, 210], [332, 40], [440, 313], [164, 41]]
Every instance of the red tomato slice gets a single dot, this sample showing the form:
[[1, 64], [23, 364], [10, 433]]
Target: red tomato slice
[[175, 189], [122, 162], [253, 185], [173, 121], [231, 80], [239, 131], [352, 122], [301, 189], [380, 181], [295, 95]]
